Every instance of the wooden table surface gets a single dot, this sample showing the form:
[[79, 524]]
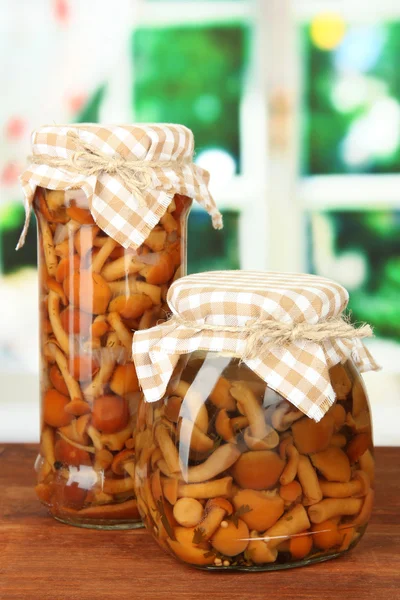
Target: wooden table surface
[[41, 559]]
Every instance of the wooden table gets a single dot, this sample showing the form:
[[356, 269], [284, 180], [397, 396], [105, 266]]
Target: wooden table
[[44, 560]]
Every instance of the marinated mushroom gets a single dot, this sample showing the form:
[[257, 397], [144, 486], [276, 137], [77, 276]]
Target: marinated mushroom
[[92, 296]]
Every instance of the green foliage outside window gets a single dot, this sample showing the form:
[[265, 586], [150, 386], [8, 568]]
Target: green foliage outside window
[[352, 101], [192, 75]]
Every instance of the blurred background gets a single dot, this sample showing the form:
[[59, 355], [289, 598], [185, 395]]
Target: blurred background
[[295, 107]]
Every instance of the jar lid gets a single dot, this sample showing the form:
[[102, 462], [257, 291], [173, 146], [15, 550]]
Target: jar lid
[[129, 173], [288, 328]]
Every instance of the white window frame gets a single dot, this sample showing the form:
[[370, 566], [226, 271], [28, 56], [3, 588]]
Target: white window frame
[[246, 192]]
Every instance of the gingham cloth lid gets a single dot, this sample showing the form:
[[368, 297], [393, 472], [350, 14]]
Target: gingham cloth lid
[[115, 208], [227, 300]]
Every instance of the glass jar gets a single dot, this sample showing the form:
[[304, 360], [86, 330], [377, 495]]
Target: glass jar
[[231, 476], [93, 295]]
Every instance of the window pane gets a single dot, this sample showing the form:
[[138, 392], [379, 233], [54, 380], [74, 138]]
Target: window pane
[[361, 250], [12, 216], [351, 97], [210, 250], [193, 75]]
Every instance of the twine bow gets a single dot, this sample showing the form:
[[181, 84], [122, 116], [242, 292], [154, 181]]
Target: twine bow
[[136, 175], [262, 336]]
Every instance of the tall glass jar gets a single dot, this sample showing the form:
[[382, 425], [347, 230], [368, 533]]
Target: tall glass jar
[[93, 295], [231, 476]]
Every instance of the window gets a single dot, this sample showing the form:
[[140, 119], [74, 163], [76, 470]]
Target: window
[[350, 157]]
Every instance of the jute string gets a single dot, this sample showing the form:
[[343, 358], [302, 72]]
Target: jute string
[[267, 334], [136, 175]]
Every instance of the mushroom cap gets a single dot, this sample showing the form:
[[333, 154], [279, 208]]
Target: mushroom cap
[[75, 321], [326, 535], [161, 272], [57, 380], [358, 446], [124, 380], [261, 553], [172, 408], [67, 265], [54, 405], [83, 367], [88, 291], [359, 397], [300, 545], [123, 457], [221, 503], [265, 509], [110, 413], [309, 436], [131, 307], [340, 381], [291, 492], [70, 455], [188, 512], [338, 413], [221, 396], [258, 470], [333, 463], [184, 549], [231, 540]]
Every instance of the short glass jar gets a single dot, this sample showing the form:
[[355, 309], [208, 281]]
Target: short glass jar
[[231, 476]]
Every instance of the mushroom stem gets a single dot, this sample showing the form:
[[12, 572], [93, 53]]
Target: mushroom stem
[[95, 387], [168, 448], [47, 445], [334, 507], [121, 267], [117, 486], [73, 387], [193, 407], [357, 487], [55, 321], [208, 489], [116, 441], [219, 461], [124, 335], [293, 522], [50, 256], [290, 471], [95, 436], [103, 254], [214, 513], [191, 436], [309, 481], [366, 510], [249, 406], [284, 416]]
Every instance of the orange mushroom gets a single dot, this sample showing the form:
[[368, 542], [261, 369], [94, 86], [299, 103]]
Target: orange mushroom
[[188, 512], [131, 307], [300, 545], [340, 381], [221, 396], [265, 509], [87, 291], [333, 464], [110, 413], [124, 380], [54, 405], [309, 436], [232, 539], [258, 470], [326, 535]]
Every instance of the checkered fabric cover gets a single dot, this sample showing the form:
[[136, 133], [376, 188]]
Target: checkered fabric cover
[[298, 371], [115, 210]]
